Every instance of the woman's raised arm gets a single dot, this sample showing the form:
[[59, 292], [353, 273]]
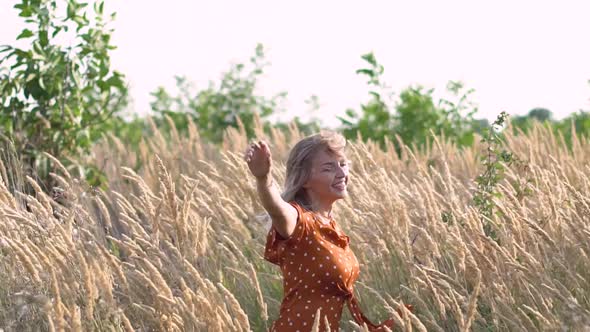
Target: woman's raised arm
[[283, 214]]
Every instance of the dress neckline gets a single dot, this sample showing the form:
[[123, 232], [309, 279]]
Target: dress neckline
[[320, 219], [317, 217]]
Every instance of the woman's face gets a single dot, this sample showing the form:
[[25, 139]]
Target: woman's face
[[329, 176]]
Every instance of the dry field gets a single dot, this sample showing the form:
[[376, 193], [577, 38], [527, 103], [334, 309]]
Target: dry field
[[176, 242]]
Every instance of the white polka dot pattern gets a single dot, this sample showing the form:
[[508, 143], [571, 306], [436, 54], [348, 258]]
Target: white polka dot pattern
[[319, 271]]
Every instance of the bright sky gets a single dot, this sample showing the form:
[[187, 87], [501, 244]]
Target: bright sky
[[517, 55]]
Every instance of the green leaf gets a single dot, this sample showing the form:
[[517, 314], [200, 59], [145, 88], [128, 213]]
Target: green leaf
[[375, 95], [351, 113], [56, 31], [5, 48], [26, 33], [344, 121], [71, 11], [77, 79], [26, 12], [37, 52], [367, 72], [43, 40], [42, 83], [370, 58]]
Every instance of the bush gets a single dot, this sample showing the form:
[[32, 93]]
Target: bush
[[56, 98]]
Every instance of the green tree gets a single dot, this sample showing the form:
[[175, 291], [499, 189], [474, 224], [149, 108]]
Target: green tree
[[579, 121], [220, 105], [541, 114], [480, 126], [56, 98], [525, 122], [415, 115], [376, 120]]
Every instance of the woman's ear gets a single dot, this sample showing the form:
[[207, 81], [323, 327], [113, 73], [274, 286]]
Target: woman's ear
[[305, 185]]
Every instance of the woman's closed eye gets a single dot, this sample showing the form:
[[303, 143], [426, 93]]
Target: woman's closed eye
[[331, 167]]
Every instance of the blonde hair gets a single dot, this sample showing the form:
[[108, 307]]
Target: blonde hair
[[299, 163]]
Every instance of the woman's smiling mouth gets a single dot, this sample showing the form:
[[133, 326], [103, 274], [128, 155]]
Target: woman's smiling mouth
[[340, 185]]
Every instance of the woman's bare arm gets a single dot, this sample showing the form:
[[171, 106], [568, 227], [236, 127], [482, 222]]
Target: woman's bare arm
[[283, 214]]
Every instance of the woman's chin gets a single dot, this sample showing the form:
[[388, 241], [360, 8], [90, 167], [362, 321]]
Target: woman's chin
[[341, 193]]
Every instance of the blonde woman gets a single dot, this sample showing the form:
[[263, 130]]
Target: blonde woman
[[317, 264]]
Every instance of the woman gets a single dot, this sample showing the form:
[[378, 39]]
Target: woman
[[318, 266]]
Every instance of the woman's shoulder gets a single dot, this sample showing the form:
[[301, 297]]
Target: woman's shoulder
[[297, 205], [302, 210]]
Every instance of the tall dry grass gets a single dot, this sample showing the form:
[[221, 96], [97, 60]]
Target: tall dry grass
[[176, 243]]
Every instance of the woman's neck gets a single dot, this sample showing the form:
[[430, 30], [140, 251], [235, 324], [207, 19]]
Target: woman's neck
[[322, 209]]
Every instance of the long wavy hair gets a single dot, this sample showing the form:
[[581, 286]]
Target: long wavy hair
[[299, 163]]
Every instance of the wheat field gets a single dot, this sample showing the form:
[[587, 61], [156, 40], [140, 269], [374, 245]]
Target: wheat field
[[176, 242]]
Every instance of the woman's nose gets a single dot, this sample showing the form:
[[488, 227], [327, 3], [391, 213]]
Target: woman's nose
[[341, 171]]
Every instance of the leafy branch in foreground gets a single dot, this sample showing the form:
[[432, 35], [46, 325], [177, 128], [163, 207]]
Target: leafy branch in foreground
[[56, 98], [495, 161]]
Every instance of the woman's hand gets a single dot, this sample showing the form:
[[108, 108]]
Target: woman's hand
[[259, 159]]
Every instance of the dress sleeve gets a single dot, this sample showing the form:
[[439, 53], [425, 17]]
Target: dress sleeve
[[277, 245]]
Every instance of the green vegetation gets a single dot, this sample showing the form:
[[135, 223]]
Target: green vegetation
[[415, 117], [54, 98], [219, 106], [61, 99], [494, 161], [481, 240]]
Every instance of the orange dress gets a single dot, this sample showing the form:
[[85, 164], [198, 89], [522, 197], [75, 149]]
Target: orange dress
[[319, 270]]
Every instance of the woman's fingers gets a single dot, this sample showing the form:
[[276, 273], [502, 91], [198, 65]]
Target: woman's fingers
[[255, 147], [265, 148], [258, 157], [258, 144], [249, 151]]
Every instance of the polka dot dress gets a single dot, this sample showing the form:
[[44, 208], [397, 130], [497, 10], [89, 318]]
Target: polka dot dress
[[319, 270]]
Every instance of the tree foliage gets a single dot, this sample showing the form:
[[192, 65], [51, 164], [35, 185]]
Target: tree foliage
[[219, 106], [59, 95], [415, 116], [56, 98], [578, 123]]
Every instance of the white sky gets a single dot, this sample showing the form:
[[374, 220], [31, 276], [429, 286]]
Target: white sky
[[516, 54]]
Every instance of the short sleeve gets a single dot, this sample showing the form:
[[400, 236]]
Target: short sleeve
[[277, 245]]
